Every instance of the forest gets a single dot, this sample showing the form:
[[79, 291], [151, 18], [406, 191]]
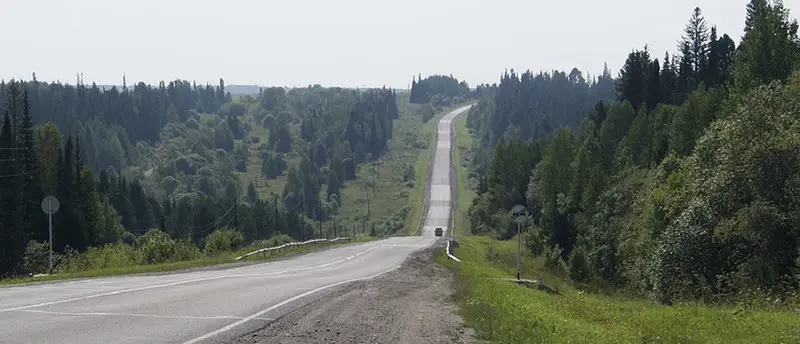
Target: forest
[[677, 180], [154, 174], [439, 90]]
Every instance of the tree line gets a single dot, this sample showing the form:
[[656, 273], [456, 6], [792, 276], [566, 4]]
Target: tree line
[[684, 187], [111, 121], [439, 90], [530, 106]]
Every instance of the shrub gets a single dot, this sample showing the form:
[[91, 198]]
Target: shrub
[[535, 239], [101, 257], [578, 268], [553, 259], [36, 258], [223, 240], [156, 247]]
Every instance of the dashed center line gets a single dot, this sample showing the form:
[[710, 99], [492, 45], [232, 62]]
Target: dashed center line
[[157, 316]]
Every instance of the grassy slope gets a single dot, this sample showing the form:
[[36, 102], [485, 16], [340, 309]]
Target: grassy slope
[[390, 192], [507, 313]]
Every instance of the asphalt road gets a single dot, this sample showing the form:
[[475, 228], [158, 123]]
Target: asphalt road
[[440, 193], [211, 306], [194, 307]]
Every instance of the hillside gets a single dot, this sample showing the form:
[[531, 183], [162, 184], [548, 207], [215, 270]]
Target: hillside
[[683, 188], [204, 171]]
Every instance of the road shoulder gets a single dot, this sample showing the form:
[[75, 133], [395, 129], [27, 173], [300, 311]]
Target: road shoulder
[[413, 304]]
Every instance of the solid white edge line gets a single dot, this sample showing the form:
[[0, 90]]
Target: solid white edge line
[[259, 314]]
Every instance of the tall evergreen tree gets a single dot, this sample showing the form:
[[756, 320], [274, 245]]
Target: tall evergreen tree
[[696, 36], [32, 223], [668, 79], [770, 48], [8, 256], [653, 90]]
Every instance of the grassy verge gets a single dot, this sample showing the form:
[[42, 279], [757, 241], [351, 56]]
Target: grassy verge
[[461, 152], [503, 312], [223, 258]]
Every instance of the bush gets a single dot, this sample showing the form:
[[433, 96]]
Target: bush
[[578, 268], [36, 258], [553, 260], [535, 240], [223, 240], [156, 247], [426, 113], [101, 257]]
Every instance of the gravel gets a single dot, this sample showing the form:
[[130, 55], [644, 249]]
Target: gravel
[[412, 304]]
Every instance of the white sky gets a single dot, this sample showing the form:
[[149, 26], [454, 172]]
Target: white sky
[[337, 42]]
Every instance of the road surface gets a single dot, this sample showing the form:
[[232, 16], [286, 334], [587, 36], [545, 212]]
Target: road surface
[[194, 307], [439, 192], [212, 306]]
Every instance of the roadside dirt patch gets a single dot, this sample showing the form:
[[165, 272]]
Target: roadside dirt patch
[[412, 304]]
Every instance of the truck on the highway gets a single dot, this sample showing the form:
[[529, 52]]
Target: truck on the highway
[[438, 231]]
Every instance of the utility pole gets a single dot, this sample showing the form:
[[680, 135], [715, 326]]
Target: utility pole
[[235, 213], [520, 215], [275, 219]]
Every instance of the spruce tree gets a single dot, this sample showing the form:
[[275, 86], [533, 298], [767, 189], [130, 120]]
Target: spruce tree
[[653, 92], [252, 194], [32, 223], [696, 36]]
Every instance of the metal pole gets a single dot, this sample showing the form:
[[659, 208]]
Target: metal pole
[[50, 220], [519, 241]]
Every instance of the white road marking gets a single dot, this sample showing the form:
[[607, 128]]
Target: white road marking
[[124, 291], [158, 316], [257, 315]]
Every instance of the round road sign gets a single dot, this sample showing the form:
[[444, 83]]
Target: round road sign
[[50, 205]]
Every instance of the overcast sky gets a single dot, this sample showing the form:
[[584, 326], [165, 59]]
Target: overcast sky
[[337, 42]]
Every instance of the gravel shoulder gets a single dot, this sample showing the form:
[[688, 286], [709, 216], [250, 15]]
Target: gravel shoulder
[[413, 304]]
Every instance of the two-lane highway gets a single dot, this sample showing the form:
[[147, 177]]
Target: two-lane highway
[[440, 186], [203, 306]]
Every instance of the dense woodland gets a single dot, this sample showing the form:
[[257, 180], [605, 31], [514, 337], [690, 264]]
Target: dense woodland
[[438, 90], [152, 172], [685, 186]]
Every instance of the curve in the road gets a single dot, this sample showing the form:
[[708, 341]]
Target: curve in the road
[[193, 307]]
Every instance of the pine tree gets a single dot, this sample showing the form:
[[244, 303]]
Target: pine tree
[[333, 185], [252, 194], [696, 36], [685, 82], [7, 199], [633, 78], [668, 78], [653, 92], [32, 223], [770, 48]]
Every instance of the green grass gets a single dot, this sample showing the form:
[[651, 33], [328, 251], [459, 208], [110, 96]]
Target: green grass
[[503, 312], [223, 258], [462, 148], [390, 192]]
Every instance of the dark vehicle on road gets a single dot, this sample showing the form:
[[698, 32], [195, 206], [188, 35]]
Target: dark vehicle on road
[[438, 231]]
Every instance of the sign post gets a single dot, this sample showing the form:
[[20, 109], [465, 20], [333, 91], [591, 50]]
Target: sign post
[[520, 215], [50, 206]]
